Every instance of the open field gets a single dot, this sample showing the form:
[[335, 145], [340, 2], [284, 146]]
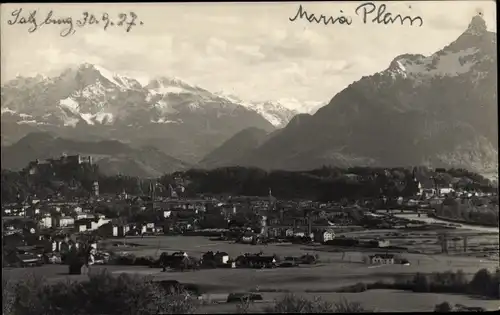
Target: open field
[[426, 219], [220, 282], [378, 300], [332, 272], [483, 245]]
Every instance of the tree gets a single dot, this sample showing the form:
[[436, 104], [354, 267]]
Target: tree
[[482, 282], [421, 283], [444, 307], [101, 294], [213, 221]]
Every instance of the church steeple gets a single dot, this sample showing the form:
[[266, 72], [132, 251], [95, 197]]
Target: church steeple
[[139, 187], [272, 200]]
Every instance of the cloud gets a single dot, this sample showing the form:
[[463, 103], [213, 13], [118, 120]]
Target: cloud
[[251, 50]]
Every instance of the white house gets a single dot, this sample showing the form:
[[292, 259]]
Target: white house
[[222, 257], [383, 243], [120, 230], [45, 222], [445, 191], [62, 221], [289, 232], [83, 215], [323, 236], [382, 259], [299, 234]]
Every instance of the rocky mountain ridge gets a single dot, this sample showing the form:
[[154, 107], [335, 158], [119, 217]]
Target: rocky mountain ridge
[[439, 110]]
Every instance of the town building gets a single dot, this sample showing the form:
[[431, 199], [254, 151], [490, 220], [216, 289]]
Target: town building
[[322, 236], [62, 221], [382, 259], [44, 166], [45, 222]]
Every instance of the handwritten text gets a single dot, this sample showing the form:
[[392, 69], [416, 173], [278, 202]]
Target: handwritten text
[[69, 25], [369, 13]]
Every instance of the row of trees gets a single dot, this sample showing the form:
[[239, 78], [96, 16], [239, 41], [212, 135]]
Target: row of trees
[[103, 293], [327, 183], [324, 184], [483, 283]]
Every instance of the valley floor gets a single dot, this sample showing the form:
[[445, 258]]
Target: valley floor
[[332, 272]]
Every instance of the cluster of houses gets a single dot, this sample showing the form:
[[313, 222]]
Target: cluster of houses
[[79, 217], [39, 248], [181, 260]]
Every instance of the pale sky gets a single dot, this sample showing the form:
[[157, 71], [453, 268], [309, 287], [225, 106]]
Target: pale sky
[[251, 50]]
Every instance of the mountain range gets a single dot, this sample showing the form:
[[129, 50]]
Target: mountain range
[[89, 102], [438, 111]]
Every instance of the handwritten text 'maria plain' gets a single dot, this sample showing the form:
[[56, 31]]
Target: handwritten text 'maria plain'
[[368, 12]]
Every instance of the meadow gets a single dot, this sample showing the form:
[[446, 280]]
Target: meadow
[[377, 300], [336, 268]]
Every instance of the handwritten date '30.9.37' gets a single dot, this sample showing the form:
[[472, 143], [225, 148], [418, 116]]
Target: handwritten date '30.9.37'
[[107, 21], [104, 20]]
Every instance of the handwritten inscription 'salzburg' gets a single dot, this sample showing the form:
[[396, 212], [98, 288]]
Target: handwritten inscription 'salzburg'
[[369, 12], [123, 20]]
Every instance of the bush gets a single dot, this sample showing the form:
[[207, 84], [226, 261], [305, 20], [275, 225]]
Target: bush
[[101, 294], [291, 303], [360, 287], [345, 306], [444, 307], [484, 283], [420, 283], [8, 296], [144, 261], [127, 260]]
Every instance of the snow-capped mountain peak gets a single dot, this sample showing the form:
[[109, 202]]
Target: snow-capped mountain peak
[[165, 85], [99, 72], [458, 58], [91, 102], [443, 64], [277, 112]]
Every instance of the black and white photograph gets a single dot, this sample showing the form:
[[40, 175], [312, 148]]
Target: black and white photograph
[[249, 157]]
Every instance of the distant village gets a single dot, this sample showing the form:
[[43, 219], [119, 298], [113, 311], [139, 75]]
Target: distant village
[[38, 231]]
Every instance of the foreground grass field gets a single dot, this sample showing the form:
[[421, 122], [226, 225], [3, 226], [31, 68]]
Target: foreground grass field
[[377, 300], [335, 269], [331, 273]]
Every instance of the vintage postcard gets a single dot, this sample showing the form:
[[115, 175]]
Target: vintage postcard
[[249, 157]]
